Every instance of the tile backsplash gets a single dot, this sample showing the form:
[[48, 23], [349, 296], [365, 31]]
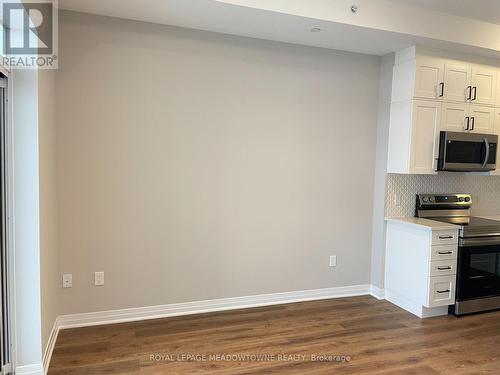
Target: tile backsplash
[[401, 191]]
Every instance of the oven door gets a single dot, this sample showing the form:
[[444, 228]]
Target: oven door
[[467, 152], [478, 268]]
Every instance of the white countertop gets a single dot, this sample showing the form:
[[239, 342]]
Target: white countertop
[[422, 223]]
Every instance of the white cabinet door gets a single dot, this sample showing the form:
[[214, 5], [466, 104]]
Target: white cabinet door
[[455, 117], [484, 85], [456, 81], [497, 121], [426, 120], [498, 88], [429, 77], [482, 119], [441, 291]]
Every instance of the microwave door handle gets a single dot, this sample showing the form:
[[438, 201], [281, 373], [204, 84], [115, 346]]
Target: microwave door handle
[[487, 156]]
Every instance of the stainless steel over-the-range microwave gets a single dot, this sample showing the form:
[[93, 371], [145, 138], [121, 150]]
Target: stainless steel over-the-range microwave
[[467, 152]]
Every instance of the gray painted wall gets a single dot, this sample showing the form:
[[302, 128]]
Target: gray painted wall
[[196, 166]]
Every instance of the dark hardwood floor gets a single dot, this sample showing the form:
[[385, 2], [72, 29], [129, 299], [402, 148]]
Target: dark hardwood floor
[[375, 337]]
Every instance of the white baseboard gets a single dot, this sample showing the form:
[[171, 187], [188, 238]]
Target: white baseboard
[[187, 308], [30, 370], [165, 311], [47, 355], [377, 292]]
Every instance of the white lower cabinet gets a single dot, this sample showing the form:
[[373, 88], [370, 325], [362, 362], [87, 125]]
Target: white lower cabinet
[[421, 267], [443, 267], [444, 237], [443, 252], [441, 291]]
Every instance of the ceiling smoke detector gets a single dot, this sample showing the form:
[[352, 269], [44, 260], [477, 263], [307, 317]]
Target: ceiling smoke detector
[[315, 29]]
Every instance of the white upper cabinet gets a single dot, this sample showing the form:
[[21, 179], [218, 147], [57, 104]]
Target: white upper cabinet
[[429, 78], [497, 121], [414, 136], [484, 85], [463, 117], [425, 134], [457, 77], [455, 117], [498, 88], [482, 119], [431, 94]]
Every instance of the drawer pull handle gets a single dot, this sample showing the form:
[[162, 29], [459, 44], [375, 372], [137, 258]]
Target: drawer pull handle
[[445, 237], [445, 252], [444, 268], [443, 291]]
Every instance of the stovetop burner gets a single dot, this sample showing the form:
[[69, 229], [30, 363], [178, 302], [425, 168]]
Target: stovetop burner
[[473, 226], [455, 209]]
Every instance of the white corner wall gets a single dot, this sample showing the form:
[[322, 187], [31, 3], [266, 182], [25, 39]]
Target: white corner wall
[[26, 221], [379, 198], [49, 260]]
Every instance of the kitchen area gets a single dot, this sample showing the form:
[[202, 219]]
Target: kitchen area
[[442, 204]]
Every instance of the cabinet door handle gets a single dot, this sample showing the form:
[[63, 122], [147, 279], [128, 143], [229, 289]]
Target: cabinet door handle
[[469, 90], [467, 122], [472, 123], [445, 252], [442, 89], [475, 93], [444, 268], [443, 291], [445, 237]]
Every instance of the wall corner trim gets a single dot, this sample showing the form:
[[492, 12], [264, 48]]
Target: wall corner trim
[[36, 369], [47, 355], [198, 307], [377, 292]]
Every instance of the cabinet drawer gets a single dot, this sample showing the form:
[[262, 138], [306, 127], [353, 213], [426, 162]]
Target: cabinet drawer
[[444, 237], [441, 290], [442, 252], [443, 267]]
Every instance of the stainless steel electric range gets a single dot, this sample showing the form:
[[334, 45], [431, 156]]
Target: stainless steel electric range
[[478, 268]]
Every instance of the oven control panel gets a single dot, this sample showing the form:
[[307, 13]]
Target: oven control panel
[[439, 200]]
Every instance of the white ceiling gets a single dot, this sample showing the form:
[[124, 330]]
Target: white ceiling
[[482, 10], [216, 16], [224, 17]]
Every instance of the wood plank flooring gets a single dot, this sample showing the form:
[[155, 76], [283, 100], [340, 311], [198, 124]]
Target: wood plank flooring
[[358, 335]]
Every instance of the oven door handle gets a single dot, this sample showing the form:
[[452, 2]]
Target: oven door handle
[[479, 241], [487, 156]]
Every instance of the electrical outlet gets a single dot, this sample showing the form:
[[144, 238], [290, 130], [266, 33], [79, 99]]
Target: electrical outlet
[[99, 279], [67, 280], [333, 261]]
